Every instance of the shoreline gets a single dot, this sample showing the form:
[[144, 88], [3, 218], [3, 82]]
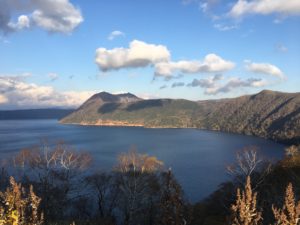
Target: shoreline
[[129, 125], [284, 142]]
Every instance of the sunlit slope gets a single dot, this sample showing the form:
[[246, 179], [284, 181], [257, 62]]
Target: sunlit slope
[[268, 114]]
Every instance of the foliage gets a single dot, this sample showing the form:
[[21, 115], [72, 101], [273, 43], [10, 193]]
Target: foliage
[[140, 191], [290, 212], [18, 207], [244, 211], [137, 176]]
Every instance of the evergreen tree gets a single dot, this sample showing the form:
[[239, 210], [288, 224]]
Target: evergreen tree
[[172, 204]]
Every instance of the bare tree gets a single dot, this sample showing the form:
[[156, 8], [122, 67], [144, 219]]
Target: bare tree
[[136, 177], [290, 212], [105, 188], [249, 164], [45, 157], [55, 172]]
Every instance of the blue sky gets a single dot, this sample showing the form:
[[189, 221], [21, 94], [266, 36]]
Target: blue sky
[[58, 53]]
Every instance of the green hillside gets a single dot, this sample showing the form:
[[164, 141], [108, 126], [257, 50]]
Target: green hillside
[[268, 114]]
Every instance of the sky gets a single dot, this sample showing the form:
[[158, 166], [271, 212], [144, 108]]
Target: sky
[[57, 53]]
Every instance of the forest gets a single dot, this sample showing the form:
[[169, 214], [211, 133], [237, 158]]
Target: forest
[[58, 185]]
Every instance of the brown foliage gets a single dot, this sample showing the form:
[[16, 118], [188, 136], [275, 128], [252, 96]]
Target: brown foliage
[[18, 207], [138, 184], [290, 212], [135, 162], [244, 211]]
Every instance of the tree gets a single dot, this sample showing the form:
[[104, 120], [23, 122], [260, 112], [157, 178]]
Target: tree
[[244, 211], [18, 207], [137, 178], [171, 203], [249, 164], [104, 189], [138, 163], [290, 212], [55, 172]]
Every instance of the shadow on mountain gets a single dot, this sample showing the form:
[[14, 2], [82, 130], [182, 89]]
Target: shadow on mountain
[[145, 104], [277, 124], [108, 107]]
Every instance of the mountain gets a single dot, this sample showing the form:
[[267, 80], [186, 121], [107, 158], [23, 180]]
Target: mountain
[[34, 114], [268, 114]]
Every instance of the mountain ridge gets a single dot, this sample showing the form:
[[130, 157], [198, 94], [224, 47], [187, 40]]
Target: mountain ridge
[[267, 114], [44, 113]]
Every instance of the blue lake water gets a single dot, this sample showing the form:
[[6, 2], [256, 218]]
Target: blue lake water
[[198, 158]]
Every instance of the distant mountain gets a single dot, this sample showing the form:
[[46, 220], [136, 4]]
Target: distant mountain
[[268, 114], [34, 114]]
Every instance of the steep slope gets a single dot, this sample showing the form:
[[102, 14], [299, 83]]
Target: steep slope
[[268, 114]]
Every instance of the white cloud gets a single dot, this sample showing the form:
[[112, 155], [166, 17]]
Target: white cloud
[[235, 83], [16, 93], [265, 68], [265, 7], [115, 34], [56, 16], [52, 15], [23, 22], [53, 76], [211, 63], [139, 54]]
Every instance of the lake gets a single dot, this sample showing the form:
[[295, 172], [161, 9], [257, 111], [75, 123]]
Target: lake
[[198, 158]]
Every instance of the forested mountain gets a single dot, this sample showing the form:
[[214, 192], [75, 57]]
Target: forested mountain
[[268, 114], [34, 114]]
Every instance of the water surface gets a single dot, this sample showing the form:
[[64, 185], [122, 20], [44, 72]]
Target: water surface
[[198, 158]]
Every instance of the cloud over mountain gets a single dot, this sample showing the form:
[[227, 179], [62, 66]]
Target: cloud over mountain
[[235, 83], [213, 86]]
